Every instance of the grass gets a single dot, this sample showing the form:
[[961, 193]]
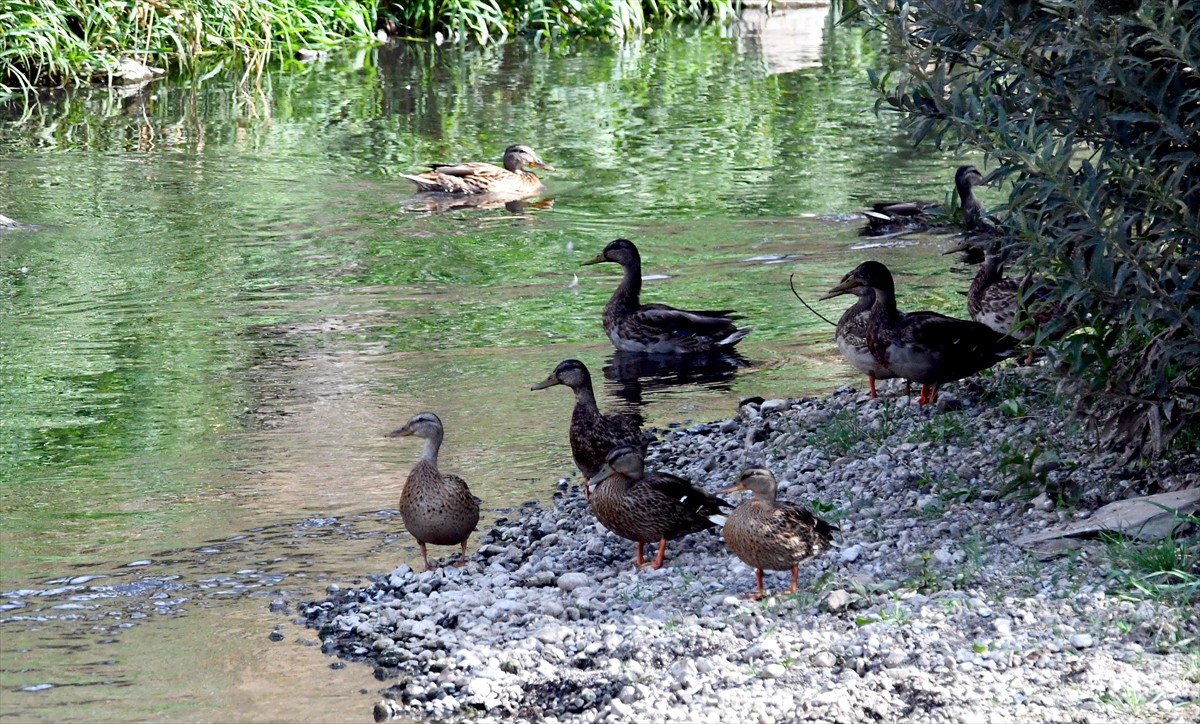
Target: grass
[[1167, 570], [51, 42]]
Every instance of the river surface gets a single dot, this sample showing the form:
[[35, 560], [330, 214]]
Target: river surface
[[232, 295]]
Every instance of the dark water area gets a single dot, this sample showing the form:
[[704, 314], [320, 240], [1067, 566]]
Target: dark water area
[[232, 295]]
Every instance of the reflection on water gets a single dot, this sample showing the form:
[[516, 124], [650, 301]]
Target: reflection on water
[[631, 375], [230, 300]]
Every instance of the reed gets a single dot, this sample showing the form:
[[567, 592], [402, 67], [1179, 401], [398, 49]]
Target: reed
[[52, 42]]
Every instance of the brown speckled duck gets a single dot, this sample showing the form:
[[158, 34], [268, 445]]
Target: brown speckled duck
[[851, 336], [657, 328], [436, 508], [924, 347], [894, 217], [592, 434], [649, 508], [484, 178], [773, 535]]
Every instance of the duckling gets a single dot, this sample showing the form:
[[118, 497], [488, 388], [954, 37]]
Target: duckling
[[484, 178], [437, 508], [770, 534], [657, 328], [924, 347], [592, 433], [646, 508], [895, 217]]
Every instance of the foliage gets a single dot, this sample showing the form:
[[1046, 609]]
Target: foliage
[[1091, 108], [47, 42], [54, 41]]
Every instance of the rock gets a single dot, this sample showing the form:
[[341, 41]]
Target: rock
[[772, 671], [824, 659], [850, 554], [571, 581], [837, 600], [771, 406], [1081, 640]]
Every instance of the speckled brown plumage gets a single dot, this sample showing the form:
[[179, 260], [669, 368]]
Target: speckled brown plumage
[[851, 339], [893, 217], [924, 347], [658, 328], [648, 508], [592, 434], [437, 508], [769, 534], [485, 178]]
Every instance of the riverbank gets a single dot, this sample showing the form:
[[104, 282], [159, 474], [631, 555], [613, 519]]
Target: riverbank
[[925, 608]]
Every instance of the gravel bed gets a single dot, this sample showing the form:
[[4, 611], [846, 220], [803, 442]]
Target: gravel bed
[[923, 610]]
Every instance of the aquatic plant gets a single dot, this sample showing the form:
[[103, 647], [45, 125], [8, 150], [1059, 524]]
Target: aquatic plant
[[1091, 109]]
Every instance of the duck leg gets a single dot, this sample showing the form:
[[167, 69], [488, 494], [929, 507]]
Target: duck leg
[[425, 556], [462, 561], [871, 381], [758, 573], [641, 559], [795, 578], [662, 554], [924, 398]]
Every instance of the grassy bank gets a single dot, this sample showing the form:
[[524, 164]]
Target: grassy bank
[[53, 42]]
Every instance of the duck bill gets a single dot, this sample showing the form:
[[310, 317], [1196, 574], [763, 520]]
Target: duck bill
[[400, 432], [732, 489], [846, 287], [543, 166], [605, 473], [548, 382], [599, 258]]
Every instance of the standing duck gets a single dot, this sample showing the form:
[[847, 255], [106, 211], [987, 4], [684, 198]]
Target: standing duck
[[657, 328], [436, 508], [851, 336], [895, 217], [923, 347], [769, 534], [649, 508], [484, 178], [592, 433]]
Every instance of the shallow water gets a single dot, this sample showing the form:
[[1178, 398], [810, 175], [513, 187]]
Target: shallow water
[[233, 295]]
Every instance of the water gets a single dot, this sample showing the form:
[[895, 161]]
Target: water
[[233, 296]]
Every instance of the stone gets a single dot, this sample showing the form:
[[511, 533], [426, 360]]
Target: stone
[[572, 580], [837, 600]]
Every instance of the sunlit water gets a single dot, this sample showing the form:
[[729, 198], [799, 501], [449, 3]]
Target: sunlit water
[[233, 295]]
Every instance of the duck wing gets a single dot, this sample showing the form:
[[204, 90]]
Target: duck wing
[[669, 319], [693, 500], [474, 168]]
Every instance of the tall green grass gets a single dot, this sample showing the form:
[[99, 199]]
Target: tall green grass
[[49, 42]]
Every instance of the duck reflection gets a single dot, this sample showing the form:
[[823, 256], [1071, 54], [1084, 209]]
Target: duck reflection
[[629, 375], [432, 202]]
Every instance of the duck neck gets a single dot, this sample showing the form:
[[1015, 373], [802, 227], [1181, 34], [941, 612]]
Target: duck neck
[[988, 274], [884, 308], [630, 289], [585, 398], [430, 453]]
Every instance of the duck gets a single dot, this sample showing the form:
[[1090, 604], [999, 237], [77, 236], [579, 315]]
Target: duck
[[650, 507], [592, 433], [898, 217], [923, 347], [770, 534], [851, 337], [658, 328], [437, 508], [484, 178]]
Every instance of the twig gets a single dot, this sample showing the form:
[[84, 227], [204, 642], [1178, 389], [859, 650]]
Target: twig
[[793, 286]]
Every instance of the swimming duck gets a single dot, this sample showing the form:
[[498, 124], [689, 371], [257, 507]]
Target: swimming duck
[[592, 434], [895, 217], [484, 178], [649, 508], [657, 328], [437, 508], [771, 534], [924, 347], [851, 336]]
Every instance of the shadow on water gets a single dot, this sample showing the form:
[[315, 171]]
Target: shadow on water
[[631, 375]]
